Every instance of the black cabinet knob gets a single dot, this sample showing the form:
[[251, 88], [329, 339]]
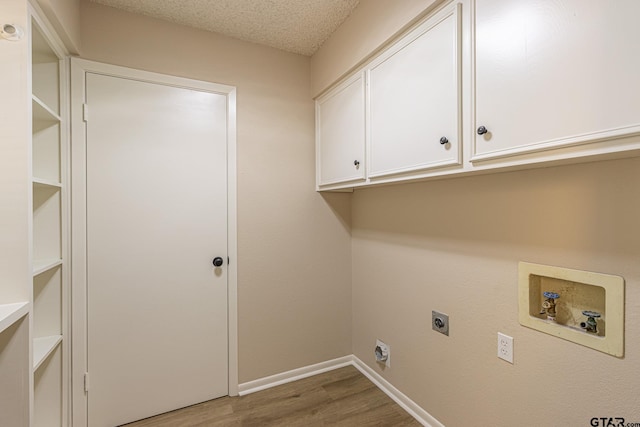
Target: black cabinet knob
[[218, 261], [482, 130], [444, 140], [356, 163]]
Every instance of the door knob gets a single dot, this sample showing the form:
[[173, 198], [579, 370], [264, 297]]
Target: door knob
[[356, 163], [444, 140], [482, 130], [218, 261]]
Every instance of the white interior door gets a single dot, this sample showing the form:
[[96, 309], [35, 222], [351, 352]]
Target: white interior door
[[156, 205]]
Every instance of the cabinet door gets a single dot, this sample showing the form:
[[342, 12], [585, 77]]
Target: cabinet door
[[414, 99], [551, 73], [340, 133]]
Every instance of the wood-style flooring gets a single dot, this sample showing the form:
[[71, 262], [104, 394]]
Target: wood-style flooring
[[343, 397]]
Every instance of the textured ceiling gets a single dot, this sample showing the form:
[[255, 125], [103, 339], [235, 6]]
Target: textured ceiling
[[299, 26]]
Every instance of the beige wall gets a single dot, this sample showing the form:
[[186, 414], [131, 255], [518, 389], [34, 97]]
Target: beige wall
[[369, 26], [294, 250], [15, 180], [454, 245]]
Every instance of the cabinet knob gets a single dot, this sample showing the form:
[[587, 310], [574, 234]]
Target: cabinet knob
[[218, 261], [356, 163], [444, 140], [482, 130]]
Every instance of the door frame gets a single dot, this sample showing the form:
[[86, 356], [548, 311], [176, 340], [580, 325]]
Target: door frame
[[79, 329]]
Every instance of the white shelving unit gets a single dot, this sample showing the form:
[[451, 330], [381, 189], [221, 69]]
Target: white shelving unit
[[42, 266], [43, 347], [14, 355], [50, 343], [11, 313]]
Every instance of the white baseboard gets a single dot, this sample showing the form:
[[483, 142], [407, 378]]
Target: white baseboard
[[412, 408], [293, 375], [422, 416]]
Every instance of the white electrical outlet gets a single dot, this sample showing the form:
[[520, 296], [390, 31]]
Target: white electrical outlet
[[505, 347]]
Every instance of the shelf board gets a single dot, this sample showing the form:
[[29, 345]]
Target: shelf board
[[43, 347], [11, 313], [45, 183], [41, 111], [42, 266]]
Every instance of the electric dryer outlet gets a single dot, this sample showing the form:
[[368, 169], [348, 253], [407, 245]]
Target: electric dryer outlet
[[440, 322]]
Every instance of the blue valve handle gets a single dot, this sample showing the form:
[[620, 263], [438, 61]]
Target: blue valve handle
[[551, 295]]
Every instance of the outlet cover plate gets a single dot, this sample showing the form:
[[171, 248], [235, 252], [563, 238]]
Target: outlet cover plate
[[386, 350], [440, 322], [505, 347]]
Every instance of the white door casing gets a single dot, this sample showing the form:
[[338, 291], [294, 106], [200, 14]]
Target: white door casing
[[145, 292]]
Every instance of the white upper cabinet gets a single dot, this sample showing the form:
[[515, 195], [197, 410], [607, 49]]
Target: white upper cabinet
[[340, 133], [554, 73], [414, 99], [485, 85]]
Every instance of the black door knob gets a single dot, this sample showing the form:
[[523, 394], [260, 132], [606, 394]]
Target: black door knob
[[444, 140], [356, 163], [218, 261], [482, 130]]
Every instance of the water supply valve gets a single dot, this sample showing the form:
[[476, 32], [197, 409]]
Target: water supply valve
[[549, 305], [591, 325]]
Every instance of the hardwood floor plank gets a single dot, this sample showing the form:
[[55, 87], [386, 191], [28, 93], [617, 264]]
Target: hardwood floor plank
[[342, 397], [206, 412], [349, 385], [269, 411], [380, 416]]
